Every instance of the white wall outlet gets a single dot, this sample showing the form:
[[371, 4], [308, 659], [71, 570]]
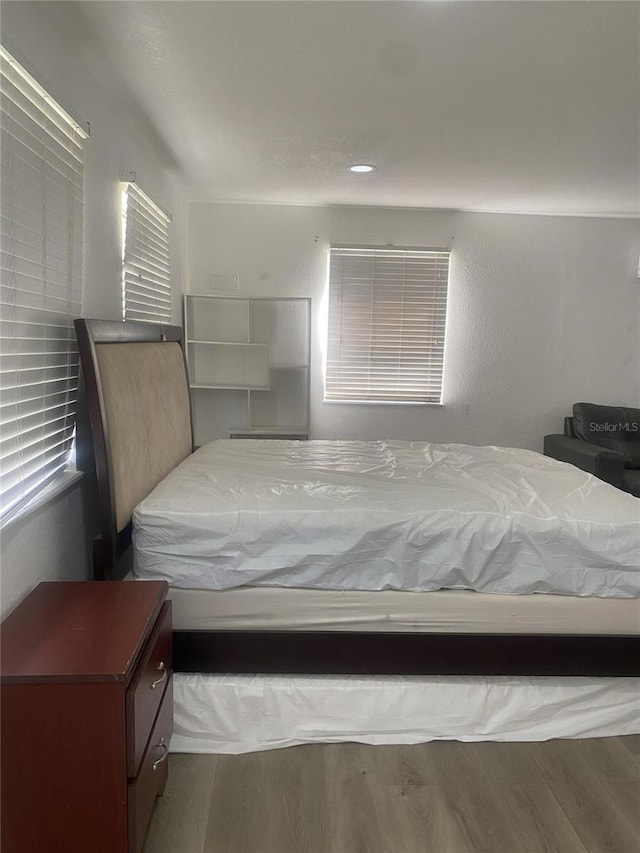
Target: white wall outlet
[[224, 281]]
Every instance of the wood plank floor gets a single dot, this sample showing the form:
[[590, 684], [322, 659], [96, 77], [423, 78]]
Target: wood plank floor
[[561, 796]]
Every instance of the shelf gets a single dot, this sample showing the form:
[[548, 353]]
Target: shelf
[[284, 324], [210, 318], [224, 343], [291, 433], [220, 387], [289, 366], [238, 345], [221, 364], [284, 403], [259, 347]]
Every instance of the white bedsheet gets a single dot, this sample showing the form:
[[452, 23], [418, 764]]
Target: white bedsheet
[[387, 515], [243, 713]]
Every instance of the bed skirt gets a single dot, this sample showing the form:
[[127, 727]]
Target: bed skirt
[[238, 713]]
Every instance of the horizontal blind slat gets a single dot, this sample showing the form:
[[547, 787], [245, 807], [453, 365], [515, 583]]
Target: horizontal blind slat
[[134, 273], [41, 261], [15, 75], [135, 285], [142, 200], [15, 97]]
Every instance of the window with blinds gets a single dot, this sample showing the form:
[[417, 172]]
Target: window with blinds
[[386, 325], [41, 235], [146, 277]]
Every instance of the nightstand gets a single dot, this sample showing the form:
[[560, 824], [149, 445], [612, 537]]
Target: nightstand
[[87, 714]]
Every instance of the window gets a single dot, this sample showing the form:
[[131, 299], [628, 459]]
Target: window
[[146, 277], [387, 313], [41, 235]]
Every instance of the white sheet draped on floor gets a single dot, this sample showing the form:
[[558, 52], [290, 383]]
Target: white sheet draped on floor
[[241, 713]]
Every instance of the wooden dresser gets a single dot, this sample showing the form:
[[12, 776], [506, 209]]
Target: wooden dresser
[[86, 713]]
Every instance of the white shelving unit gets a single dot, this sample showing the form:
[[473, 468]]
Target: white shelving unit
[[248, 361]]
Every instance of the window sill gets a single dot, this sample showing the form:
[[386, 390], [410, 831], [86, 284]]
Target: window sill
[[62, 484]]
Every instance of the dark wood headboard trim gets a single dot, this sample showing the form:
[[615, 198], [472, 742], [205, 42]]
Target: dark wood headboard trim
[[111, 549]]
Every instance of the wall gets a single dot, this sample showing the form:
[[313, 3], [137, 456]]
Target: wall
[[543, 311], [52, 542]]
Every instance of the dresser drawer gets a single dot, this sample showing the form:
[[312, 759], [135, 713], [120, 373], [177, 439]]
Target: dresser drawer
[[147, 688], [142, 793]]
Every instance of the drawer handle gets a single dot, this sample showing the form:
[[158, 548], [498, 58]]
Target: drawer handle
[[161, 668], [163, 757]]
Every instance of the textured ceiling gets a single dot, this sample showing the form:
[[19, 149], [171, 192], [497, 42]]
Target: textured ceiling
[[498, 106]]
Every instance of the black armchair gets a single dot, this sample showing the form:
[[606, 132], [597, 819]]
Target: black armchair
[[602, 440]]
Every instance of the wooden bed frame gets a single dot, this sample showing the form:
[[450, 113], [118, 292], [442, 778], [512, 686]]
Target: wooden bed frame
[[310, 651]]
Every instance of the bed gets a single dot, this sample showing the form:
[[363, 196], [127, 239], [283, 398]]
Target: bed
[[238, 610]]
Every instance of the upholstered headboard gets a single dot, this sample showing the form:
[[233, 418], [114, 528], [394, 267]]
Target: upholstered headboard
[[137, 397]]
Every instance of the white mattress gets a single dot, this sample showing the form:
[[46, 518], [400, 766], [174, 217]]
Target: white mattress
[[387, 515], [444, 611]]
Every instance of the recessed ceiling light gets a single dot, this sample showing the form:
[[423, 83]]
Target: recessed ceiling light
[[361, 167]]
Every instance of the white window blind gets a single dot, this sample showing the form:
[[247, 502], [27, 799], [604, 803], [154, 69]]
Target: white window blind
[[41, 235], [146, 276], [386, 325]]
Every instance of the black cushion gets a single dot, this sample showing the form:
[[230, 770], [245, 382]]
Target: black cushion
[[614, 427], [599, 461], [631, 482]]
